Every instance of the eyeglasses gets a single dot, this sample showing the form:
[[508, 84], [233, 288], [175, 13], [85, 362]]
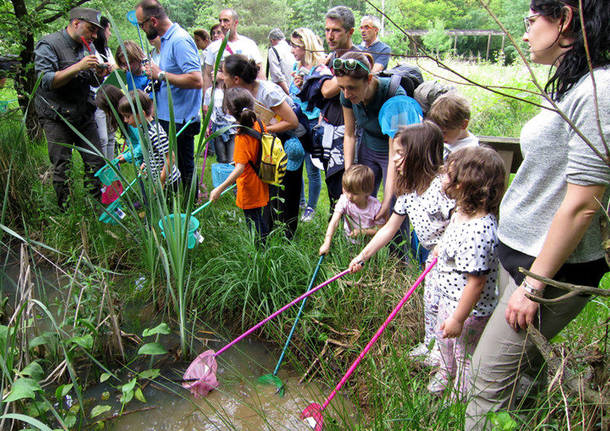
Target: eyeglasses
[[529, 20], [141, 24], [296, 45], [349, 64], [366, 27]]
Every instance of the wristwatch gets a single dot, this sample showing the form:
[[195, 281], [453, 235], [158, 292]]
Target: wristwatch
[[162, 75]]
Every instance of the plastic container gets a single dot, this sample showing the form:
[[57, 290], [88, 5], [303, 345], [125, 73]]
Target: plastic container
[[113, 213], [167, 224], [220, 172], [106, 174]]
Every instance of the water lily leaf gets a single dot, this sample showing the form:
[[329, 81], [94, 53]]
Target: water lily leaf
[[152, 349], [23, 388], [33, 370], [98, 410], [153, 373], [85, 341], [63, 390], [140, 396], [162, 328]]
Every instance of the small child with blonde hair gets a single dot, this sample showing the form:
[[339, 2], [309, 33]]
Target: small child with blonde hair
[[356, 205]]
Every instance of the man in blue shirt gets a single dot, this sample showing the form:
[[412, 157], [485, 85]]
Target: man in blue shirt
[[179, 71], [369, 29]]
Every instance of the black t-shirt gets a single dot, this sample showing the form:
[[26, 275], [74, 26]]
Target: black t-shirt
[[587, 273]]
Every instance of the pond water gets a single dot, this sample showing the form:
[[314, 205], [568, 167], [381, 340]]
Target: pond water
[[239, 403]]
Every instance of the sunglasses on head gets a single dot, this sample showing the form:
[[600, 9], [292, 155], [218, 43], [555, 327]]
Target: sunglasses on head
[[349, 64]]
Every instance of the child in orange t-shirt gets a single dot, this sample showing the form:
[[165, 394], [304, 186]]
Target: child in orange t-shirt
[[252, 193]]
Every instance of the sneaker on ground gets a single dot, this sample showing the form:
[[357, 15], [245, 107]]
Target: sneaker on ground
[[308, 214], [436, 385], [420, 350], [433, 358]]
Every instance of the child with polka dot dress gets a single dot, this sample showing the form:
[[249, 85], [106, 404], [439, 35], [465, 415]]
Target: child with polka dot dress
[[467, 262], [418, 157]]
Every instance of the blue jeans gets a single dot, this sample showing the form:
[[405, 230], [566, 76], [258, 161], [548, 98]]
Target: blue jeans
[[315, 183]]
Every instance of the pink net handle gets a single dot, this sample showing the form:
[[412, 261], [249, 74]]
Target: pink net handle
[[379, 331], [281, 310]]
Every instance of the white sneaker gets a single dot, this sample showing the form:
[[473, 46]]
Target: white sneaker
[[420, 350], [436, 385], [433, 358], [308, 214]]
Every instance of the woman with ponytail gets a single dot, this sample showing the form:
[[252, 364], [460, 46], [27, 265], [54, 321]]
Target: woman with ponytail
[[239, 71], [550, 215], [252, 193]]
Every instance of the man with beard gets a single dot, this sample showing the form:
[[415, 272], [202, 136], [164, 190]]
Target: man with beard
[[179, 71], [322, 86], [236, 44], [69, 68]]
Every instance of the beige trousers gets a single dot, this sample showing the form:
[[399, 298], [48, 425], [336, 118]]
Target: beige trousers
[[503, 354]]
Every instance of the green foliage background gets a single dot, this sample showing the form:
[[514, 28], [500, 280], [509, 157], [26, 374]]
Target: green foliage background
[[258, 17]]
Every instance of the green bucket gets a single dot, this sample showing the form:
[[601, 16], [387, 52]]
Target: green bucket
[[168, 225]]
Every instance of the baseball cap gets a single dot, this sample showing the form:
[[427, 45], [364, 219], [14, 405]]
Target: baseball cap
[[86, 14]]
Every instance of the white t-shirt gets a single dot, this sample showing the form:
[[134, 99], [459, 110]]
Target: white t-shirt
[[469, 141], [242, 45], [281, 61]]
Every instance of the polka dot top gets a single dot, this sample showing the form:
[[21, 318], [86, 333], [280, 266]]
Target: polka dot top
[[429, 212], [469, 247]]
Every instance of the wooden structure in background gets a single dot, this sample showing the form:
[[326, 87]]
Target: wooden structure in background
[[455, 33], [509, 150]]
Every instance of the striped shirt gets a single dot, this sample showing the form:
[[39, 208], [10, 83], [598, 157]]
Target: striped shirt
[[160, 148]]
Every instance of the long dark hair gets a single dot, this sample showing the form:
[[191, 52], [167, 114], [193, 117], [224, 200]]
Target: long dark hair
[[240, 104], [573, 63], [107, 98], [239, 65], [101, 44], [423, 156]]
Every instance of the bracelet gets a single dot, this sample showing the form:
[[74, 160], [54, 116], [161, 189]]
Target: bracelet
[[531, 289]]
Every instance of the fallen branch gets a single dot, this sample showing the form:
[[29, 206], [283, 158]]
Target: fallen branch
[[563, 376], [573, 289]]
